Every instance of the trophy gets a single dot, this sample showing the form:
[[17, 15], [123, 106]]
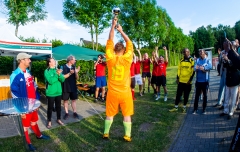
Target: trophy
[[116, 11]]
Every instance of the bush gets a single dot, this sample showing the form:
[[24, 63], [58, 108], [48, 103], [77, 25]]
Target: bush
[[6, 65]]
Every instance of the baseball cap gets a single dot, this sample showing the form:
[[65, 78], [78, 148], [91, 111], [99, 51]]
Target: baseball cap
[[21, 56]]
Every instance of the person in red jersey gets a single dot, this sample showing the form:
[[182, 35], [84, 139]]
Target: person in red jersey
[[146, 71], [23, 86], [154, 72], [132, 72], [161, 75], [138, 77], [101, 82]]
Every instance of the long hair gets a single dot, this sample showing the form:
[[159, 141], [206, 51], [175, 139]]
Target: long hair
[[48, 61]]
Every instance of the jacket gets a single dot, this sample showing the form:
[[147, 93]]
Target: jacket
[[53, 82], [185, 70], [203, 76], [18, 84]]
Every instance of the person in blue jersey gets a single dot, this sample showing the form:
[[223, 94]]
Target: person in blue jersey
[[202, 67], [22, 86]]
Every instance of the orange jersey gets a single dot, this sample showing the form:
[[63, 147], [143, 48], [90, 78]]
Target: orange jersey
[[119, 68]]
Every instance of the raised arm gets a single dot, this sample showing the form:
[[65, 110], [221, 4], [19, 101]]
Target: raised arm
[[134, 58], [125, 37], [166, 54], [140, 56]]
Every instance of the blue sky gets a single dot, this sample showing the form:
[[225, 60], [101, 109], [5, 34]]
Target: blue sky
[[186, 14]]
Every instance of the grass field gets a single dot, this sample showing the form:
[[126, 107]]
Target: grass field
[[153, 129]]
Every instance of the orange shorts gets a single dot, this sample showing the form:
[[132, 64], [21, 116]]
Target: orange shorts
[[30, 117], [116, 100]]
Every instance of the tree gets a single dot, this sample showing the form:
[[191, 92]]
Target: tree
[[137, 18], [237, 29], [21, 12], [91, 14]]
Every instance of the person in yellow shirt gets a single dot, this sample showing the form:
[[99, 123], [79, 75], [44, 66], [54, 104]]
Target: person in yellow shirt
[[119, 61], [184, 79]]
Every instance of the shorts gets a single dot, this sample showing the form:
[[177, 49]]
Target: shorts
[[146, 74], [154, 79], [116, 100], [101, 81], [71, 95], [30, 117], [133, 82], [161, 81], [138, 79]]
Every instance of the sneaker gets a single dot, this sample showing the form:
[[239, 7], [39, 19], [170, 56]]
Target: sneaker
[[148, 89], [173, 110], [96, 100], [204, 112], [165, 98], [217, 105], [184, 110], [31, 147], [221, 108], [105, 136], [229, 117], [126, 138], [65, 117], [158, 97], [140, 94], [194, 112], [223, 114], [75, 115], [43, 137]]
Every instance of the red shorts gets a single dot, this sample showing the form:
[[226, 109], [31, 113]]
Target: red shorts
[[30, 117]]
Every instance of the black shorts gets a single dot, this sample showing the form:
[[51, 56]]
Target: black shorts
[[146, 74], [71, 95], [133, 82], [161, 81], [154, 79]]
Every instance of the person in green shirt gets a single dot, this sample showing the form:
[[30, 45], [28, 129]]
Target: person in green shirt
[[54, 78]]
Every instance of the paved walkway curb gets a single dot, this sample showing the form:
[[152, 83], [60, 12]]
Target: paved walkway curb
[[205, 133], [9, 124]]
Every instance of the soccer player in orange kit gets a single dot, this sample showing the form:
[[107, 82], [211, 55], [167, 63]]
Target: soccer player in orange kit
[[119, 61]]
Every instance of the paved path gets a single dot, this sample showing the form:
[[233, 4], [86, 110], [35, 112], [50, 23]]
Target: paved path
[[9, 124], [206, 133]]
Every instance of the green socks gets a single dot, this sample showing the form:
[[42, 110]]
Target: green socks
[[107, 125], [127, 127]]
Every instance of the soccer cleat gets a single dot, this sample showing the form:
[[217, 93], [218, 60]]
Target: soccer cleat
[[158, 97], [105, 136], [165, 98], [31, 147], [43, 137], [173, 110], [126, 138], [184, 110]]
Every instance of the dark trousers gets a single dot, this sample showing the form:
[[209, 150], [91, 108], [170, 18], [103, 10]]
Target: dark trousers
[[201, 87], [183, 88], [51, 101]]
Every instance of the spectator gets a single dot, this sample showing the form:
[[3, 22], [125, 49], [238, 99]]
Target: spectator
[[231, 62], [119, 92], [219, 65], [69, 85], [161, 78], [22, 86], [53, 78], [184, 79], [132, 71], [202, 67], [146, 71], [100, 77], [237, 46], [138, 77]]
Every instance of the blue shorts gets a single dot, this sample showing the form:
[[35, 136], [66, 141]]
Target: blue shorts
[[101, 82]]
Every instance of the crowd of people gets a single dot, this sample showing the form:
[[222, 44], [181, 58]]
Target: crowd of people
[[125, 70]]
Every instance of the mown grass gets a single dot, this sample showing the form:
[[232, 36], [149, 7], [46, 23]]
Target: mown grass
[[153, 129]]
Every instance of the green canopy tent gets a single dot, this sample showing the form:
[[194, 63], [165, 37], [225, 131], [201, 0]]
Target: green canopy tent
[[80, 53]]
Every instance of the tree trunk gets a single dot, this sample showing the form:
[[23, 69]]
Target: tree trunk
[[96, 34], [16, 29], [92, 36]]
